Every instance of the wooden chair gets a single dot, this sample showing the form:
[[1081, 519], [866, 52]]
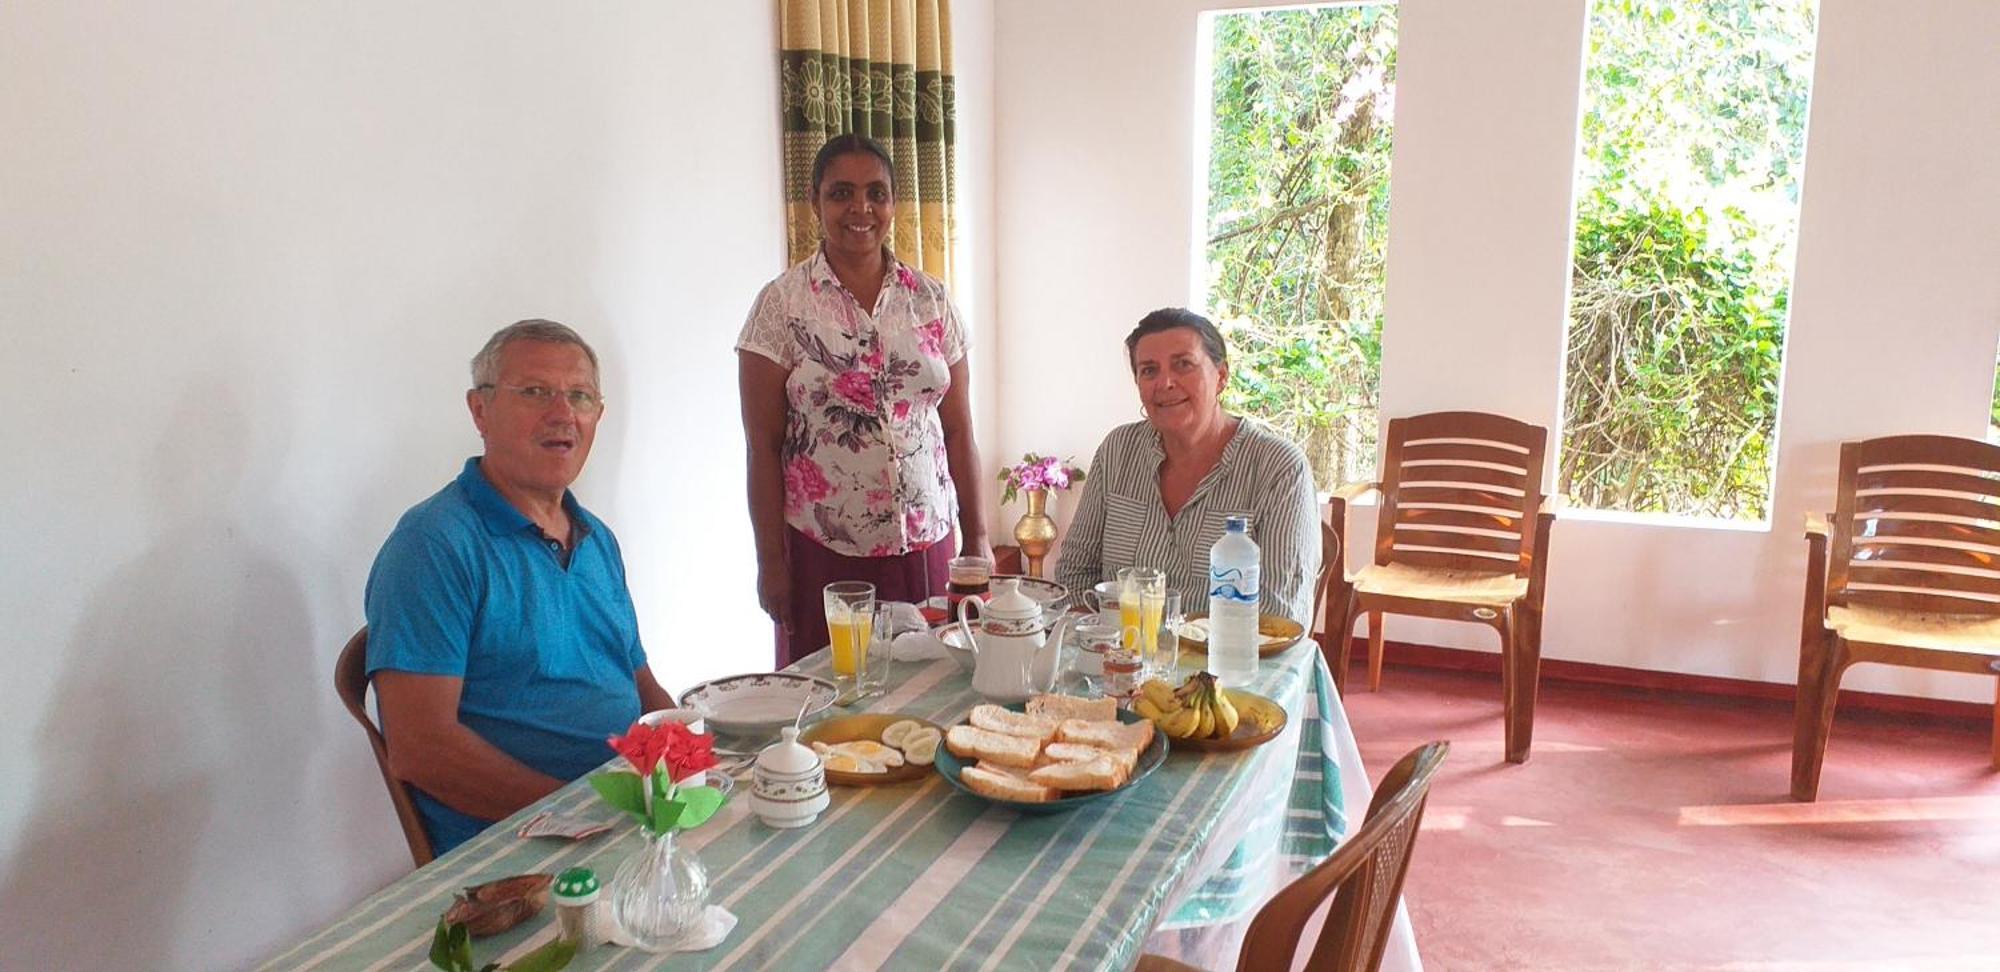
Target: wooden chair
[[1329, 557], [350, 679], [1364, 876], [1914, 577], [1463, 535]]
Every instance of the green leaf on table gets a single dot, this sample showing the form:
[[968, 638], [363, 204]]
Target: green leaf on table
[[701, 803], [451, 947], [555, 954], [621, 790]]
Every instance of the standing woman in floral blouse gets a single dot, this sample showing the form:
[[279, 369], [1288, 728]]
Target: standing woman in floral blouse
[[853, 375]]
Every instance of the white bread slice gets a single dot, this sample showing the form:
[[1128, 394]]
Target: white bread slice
[[1060, 707], [1130, 736], [1017, 772], [1002, 786], [1063, 752], [996, 719], [986, 746], [1096, 774]]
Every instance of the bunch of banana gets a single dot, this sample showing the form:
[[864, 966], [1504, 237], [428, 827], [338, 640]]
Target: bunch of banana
[[1199, 709]]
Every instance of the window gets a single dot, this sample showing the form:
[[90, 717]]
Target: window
[[1993, 410], [1692, 142], [1295, 221]]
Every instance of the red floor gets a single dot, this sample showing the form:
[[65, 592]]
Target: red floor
[[1653, 831]]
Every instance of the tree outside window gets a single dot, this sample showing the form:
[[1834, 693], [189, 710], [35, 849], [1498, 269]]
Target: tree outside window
[[1692, 142], [1297, 220]]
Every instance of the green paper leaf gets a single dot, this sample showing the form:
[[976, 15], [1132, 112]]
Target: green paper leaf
[[461, 948], [621, 790], [441, 948], [666, 813], [551, 957], [700, 803]]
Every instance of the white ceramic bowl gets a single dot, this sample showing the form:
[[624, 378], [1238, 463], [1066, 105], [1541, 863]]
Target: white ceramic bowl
[[760, 703], [954, 645]]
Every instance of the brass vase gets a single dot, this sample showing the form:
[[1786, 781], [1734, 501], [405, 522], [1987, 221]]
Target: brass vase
[[1035, 532]]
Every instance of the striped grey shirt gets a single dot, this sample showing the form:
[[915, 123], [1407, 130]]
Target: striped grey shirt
[[1122, 523]]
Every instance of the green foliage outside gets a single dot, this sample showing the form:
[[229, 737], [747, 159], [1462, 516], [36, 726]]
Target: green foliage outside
[[1687, 208], [1298, 201]]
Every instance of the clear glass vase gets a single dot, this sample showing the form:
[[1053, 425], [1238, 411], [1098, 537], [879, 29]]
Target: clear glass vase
[[660, 893]]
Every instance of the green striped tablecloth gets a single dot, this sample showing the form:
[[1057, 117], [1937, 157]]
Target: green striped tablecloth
[[920, 876]]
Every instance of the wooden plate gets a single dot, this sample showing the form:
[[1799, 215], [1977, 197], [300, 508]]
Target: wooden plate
[[1248, 733], [1150, 758], [866, 725], [1275, 633]]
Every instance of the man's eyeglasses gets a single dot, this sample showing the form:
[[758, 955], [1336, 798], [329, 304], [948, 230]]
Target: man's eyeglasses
[[541, 396]]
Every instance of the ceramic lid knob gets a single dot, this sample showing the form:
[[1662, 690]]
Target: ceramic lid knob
[[787, 755], [1009, 602]]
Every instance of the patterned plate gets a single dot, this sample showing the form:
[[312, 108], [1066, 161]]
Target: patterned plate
[[1150, 758], [759, 703], [1274, 634]]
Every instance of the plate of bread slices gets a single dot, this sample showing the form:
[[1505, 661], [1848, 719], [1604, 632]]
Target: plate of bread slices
[[1055, 752], [874, 747]]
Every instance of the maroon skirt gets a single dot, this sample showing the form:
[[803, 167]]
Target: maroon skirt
[[913, 577]]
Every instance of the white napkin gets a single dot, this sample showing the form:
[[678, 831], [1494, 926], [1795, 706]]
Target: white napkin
[[715, 925], [917, 646]]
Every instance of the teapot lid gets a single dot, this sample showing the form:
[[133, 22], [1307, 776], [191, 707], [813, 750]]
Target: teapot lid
[[787, 755], [1009, 602]]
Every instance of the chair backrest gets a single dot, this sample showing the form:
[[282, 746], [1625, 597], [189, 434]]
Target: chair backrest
[[1364, 876], [1460, 490], [1917, 525], [1329, 561], [350, 680]]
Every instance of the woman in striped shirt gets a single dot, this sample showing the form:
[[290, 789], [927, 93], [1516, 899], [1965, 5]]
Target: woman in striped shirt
[[1159, 489]]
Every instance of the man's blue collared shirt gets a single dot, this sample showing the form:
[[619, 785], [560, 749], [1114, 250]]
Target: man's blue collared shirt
[[468, 586]]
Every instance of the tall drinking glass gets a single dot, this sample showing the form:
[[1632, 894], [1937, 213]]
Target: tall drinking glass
[[850, 621], [1165, 655], [1141, 597], [873, 678]]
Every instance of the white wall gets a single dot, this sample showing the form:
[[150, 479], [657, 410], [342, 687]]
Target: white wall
[[245, 253], [1896, 308]]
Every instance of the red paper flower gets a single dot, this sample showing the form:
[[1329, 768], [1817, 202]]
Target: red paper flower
[[685, 752]]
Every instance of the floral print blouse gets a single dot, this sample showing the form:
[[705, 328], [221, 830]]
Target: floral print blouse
[[864, 457]]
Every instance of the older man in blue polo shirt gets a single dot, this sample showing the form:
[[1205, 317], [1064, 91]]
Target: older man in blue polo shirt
[[501, 636]]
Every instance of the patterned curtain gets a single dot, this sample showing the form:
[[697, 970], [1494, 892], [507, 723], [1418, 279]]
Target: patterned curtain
[[881, 68]]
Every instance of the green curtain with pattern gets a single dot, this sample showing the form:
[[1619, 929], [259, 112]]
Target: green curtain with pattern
[[881, 68]]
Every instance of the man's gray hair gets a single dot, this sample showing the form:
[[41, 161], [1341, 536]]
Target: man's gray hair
[[486, 364]]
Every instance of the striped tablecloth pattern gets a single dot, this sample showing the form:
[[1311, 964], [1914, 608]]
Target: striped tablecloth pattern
[[919, 876]]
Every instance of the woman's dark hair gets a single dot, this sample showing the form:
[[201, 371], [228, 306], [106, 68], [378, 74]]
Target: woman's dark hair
[[1169, 318], [851, 144]]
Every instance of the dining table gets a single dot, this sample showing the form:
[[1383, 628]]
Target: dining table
[[918, 875]]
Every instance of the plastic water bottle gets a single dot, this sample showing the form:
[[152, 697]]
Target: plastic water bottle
[[1233, 575]]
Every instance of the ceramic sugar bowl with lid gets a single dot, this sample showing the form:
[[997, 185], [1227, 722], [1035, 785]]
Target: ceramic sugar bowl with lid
[[788, 783]]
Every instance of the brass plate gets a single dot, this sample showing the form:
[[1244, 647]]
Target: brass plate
[[1271, 628], [869, 726], [1247, 735]]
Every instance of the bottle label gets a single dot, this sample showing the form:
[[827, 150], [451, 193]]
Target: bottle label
[[1234, 584]]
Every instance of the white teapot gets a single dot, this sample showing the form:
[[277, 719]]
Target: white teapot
[[1017, 646]]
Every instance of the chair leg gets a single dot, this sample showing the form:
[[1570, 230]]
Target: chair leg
[[1374, 651], [1821, 659], [1340, 645], [1521, 657], [1996, 724]]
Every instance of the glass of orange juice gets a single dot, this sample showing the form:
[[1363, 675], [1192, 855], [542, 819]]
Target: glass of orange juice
[[1141, 598], [850, 623]]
